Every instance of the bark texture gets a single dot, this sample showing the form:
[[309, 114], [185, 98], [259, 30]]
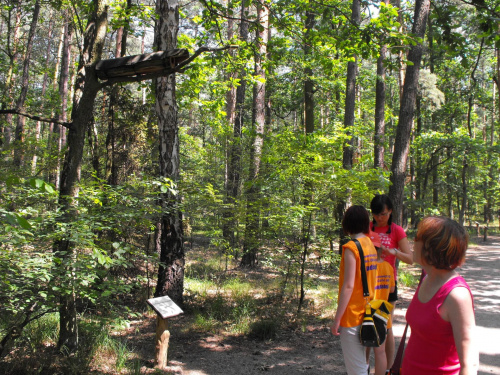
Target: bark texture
[[21, 120], [86, 88], [250, 247], [235, 148], [308, 80], [350, 95], [378, 152], [111, 171], [406, 112], [169, 234], [349, 113], [13, 32]]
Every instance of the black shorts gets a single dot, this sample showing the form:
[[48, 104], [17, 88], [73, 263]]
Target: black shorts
[[393, 297]]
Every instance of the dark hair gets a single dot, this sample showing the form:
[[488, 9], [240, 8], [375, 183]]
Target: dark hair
[[444, 242], [377, 205], [356, 220]]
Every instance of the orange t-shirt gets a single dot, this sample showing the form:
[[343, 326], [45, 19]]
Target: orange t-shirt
[[384, 283], [353, 315]]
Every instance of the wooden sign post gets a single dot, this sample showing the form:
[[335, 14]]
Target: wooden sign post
[[165, 308]]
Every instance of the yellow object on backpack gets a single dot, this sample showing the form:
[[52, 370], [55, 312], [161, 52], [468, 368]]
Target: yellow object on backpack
[[373, 330]]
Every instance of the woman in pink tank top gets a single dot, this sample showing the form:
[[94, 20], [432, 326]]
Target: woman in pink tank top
[[441, 314]]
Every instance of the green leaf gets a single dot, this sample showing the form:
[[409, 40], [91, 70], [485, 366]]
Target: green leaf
[[13, 180], [23, 222], [48, 188]]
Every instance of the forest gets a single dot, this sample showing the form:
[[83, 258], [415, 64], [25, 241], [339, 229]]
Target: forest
[[150, 147]]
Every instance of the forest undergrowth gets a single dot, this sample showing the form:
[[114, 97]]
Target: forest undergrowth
[[220, 299]]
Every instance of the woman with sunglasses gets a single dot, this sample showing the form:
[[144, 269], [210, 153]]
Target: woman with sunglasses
[[395, 246]]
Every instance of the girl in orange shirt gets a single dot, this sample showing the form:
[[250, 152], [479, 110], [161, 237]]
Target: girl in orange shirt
[[351, 302]]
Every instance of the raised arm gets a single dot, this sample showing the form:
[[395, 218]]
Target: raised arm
[[404, 254]]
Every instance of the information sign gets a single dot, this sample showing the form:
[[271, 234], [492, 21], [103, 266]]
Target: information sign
[[165, 307]]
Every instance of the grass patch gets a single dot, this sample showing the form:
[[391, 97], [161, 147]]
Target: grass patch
[[408, 276], [42, 332], [109, 348], [237, 287], [325, 297], [199, 287]]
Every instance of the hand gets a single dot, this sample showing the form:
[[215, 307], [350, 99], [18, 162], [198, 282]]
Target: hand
[[386, 250], [335, 328]]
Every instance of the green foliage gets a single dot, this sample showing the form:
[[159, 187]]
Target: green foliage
[[223, 313], [407, 277], [43, 331], [301, 167], [453, 167], [107, 246]]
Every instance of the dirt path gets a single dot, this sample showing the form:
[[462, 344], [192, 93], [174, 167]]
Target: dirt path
[[313, 350], [481, 271]]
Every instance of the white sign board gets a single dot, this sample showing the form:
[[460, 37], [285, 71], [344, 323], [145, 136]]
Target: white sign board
[[165, 307]]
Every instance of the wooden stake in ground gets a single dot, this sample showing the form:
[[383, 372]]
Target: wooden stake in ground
[[162, 340], [165, 308]]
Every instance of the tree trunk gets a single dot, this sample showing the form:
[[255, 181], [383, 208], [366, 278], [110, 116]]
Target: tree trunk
[[170, 242], [434, 121], [12, 53], [463, 205], [57, 133], [250, 247], [38, 129], [86, 88], [401, 71], [406, 112], [418, 173], [265, 165], [227, 215], [491, 202], [497, 80], [111, 172], [350, 95], [235, 149], [53, 172], [378, 152], [21, 120], [465, 163], [349, 113], [307, 227], [308, 73]]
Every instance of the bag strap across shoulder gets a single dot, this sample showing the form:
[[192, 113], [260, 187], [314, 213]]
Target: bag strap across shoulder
[[396, 366], [366, 292]]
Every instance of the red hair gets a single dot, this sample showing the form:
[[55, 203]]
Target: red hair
[[444, 242]]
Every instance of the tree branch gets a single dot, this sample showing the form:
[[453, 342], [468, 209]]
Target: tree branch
[[35, 117]]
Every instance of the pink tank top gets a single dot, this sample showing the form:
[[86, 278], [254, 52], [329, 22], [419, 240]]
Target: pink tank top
[[431, 349]]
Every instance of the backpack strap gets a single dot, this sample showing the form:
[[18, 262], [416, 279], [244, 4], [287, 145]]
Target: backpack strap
[[366, 292], [396, 366]]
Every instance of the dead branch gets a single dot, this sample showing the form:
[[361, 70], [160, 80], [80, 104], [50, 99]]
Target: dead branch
[[35, 117]]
